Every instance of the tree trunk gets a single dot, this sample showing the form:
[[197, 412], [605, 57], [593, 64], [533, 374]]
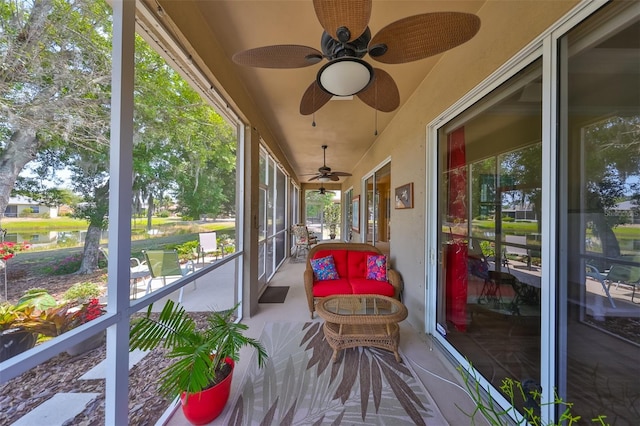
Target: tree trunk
[[97, 222], [20, 149], [610, 244], [149, 212], [91, 250]]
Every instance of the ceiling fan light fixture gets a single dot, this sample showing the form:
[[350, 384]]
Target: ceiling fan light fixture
[[345, 76], [324, 179]]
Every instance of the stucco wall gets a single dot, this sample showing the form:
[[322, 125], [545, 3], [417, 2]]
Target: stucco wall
[[507, 27]]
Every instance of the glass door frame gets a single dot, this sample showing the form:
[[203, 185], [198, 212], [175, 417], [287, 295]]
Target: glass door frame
[[546, 47], [364, 203]]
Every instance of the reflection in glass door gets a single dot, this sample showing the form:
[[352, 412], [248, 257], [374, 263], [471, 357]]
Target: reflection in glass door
[[599, 296], [377, 223], [262, 237], [490, 275]]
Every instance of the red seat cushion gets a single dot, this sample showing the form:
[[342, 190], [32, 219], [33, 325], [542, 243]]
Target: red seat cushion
[[364, 286], [331, 287]]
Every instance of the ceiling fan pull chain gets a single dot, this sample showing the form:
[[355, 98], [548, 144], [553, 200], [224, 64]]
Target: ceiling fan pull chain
[[376, 110], [313, 120], [375, 133]]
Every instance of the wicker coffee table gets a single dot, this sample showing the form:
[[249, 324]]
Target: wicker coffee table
[[361, 320]]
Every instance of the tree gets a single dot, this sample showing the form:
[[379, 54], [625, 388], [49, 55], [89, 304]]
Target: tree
[[55, 99], [54, 83], [332, 217], [612, 164]]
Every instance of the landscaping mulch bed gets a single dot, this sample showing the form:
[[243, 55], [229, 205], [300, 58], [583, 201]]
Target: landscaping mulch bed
[[61, 373]]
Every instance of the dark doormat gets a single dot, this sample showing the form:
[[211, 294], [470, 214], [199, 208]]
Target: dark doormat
[[274, 294]]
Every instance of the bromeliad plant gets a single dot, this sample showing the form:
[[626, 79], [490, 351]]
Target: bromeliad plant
[[24, 315], [200, 354], [38, 312]]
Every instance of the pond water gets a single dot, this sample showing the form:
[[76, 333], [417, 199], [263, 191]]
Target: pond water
[[46, 239], [39, 238]]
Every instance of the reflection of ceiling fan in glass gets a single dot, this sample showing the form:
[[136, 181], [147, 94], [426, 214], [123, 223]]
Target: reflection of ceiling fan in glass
[[346, 39], [324, 173]]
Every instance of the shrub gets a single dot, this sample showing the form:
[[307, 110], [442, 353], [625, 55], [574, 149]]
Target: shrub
[[82, 292], [188, 250], [68, 265], [487, 248], [27, 212]]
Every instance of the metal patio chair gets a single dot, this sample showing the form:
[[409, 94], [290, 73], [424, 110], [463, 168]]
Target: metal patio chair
[[165, 263], [137, 271]]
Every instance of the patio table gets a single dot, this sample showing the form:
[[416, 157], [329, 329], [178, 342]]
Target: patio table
[[362, 320]]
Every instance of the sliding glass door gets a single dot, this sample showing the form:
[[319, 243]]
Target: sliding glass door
[[599, 280], [377, 224]]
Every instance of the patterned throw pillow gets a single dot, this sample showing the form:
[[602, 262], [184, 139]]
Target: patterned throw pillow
[[377, 268], [324, 268]]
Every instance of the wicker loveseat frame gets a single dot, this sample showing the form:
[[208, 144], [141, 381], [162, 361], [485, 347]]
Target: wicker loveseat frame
[[338, 249]]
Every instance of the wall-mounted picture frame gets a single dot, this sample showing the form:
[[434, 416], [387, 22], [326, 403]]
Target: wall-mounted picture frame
[[404, 196], [355, 214]]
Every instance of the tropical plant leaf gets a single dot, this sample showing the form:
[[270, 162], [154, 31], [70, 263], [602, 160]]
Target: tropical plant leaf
[[268, 417], [270, 383], [287, 420], [404, 395], [318, 347], [349, 375], [198, 354], [365, 383], [236, 413], [312, 331], [376, 383]]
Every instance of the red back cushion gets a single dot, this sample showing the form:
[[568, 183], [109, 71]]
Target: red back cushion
[[357, 261], [349, 263], [339, 259]]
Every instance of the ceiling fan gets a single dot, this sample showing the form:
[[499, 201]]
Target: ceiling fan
[[346, 39], [322, 191], [324, 173]]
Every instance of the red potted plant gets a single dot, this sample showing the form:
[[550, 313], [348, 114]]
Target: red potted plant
[[201, 375]]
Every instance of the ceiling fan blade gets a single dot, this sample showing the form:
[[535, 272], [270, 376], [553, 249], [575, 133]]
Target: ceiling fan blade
[[333, 177], [420, 36], [340, 174], [382, 94], [314, 178], [278, 56], [352, 14], [313, 99]]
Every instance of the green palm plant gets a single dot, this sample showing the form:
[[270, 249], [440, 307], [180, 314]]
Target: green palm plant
[[200, 353]]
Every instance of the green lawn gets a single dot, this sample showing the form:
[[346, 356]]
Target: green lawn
[[171, 231], [70, 224]]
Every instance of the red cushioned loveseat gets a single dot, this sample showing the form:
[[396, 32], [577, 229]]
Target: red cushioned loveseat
[[350, 261]]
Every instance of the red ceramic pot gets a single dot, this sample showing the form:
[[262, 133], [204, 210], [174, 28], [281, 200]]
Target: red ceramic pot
[[203, 407]]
